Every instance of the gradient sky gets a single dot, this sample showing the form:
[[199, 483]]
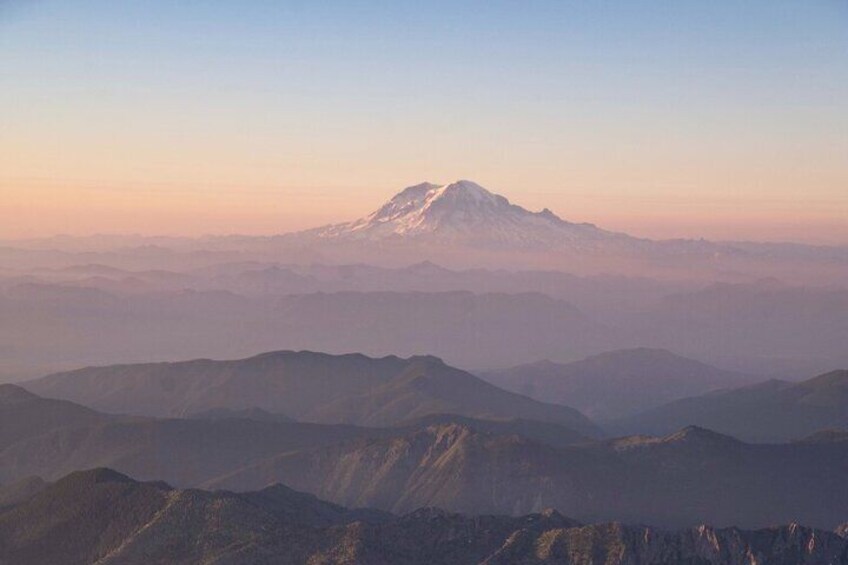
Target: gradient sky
[[723, 119]]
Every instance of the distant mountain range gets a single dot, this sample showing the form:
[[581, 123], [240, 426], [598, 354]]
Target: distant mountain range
[[769, 411], [616, 383], [462, 223], [311, 387], [101, 516], [459, 224], [475, 319], [464, 328]]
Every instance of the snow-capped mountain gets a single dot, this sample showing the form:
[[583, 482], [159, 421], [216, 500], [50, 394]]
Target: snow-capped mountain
[[462, 212]]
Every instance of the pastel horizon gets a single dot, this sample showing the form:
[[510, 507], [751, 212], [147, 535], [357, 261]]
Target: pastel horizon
[[660, 121]]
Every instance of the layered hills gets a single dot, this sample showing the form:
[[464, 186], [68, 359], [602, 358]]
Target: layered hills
[[459, 463], [306, 386], [769, 411], [616, 383], [101, 516], [681, 479], [479, 320]]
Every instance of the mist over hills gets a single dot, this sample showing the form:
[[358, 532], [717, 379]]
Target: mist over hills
[[314, 387], [766, 328], [769, 411], [316, 339], [580, 319], [616, 383], [474, 465], [451, 270], [138, 522], [456, 224], [50, 438]]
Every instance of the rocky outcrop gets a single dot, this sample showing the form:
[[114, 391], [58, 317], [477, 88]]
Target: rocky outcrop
[[103, 517]]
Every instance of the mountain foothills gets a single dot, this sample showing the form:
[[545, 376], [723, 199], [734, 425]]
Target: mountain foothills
[[616, 383], [101, 516], [56, 437], [769, 411], [307, 386], [679, 480], [498, 458]]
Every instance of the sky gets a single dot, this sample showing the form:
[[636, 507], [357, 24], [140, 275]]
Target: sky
[[674, 118]]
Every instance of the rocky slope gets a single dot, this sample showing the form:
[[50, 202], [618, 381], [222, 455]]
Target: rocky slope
[[103, 517], [459, 463], [678, 480]]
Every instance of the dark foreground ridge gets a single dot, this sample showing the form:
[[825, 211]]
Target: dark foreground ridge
[[101, 516]]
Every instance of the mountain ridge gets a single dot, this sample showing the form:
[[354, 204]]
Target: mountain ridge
[[616, 383], [304, 385], [144, 522], [769, 411], [458, 463]]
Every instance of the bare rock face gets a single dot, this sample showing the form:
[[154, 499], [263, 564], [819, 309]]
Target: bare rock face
[[619, 544], [153, 523], [486, 465]]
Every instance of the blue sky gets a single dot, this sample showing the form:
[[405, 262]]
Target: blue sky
[[712, 117]]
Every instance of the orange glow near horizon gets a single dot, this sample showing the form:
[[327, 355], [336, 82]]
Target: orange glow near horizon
[[715, 120], [39, 209]]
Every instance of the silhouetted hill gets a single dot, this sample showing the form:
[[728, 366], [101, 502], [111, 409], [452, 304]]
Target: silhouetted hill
[[24, 415], [49, 438], [104, 517], [616, 383], [314, 387], [768, 411], [183, 452]]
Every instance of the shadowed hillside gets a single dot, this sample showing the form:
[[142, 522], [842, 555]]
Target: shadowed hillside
[[458, 463], [104, 517], [769, 411], [616, 383], [312, 387]]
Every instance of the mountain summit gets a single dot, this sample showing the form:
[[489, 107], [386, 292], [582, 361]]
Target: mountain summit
[[461, 212]]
